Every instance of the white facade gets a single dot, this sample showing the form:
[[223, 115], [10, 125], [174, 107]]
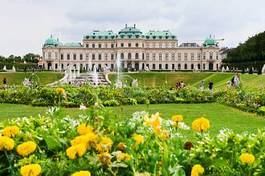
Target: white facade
[[155, 50]]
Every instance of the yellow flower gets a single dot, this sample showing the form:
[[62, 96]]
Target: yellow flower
[[60, 90], [6, 143], [10, 131], [139, 139], [81, 173], [30, 170], [104, 145], [77, 150], [177, 118], [104, 158], [86, 139], [84, 129], [247, 158], [26, 148], [197, 170], [201, 124], [123, 156], [121, 146]]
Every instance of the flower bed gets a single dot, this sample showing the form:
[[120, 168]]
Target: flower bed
[[108, 96], [144, 144]]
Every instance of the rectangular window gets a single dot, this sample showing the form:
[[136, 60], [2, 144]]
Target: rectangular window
[[122, 45], [68, 56], [99, 45], [87, 45], [166, 56], [81, 56], [160, 66], [199, 56], [112, 56], [173, 66], [173, 56], [61, 56], [129, 45], [112, 45], [154, 66], [179, 56], [185, 56], [93, 56], [154, 56], [93, 45], [74, 56], [99, 56], [160, 57]]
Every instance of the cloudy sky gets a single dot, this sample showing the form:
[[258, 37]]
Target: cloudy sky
[[25, 24]]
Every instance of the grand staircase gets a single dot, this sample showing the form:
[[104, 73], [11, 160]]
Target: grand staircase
[[89, 78]]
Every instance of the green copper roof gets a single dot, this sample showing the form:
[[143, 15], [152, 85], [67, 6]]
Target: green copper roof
[[100, 35], [159, 35], [210, 42], [72, 45], [130, 32], [51, 41]]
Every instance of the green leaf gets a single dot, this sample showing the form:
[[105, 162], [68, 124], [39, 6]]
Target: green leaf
[[52, 143]]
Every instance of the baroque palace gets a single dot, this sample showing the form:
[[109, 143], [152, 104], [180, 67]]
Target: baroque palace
[[154, 50]]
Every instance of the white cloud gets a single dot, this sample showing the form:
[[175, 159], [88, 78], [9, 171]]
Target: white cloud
[[26, 23]]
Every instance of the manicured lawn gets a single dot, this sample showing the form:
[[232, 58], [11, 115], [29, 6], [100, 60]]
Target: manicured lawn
[[249, 82], [18, 77], [219, 115]]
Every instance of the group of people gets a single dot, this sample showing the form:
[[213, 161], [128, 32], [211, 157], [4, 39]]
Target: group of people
[[180, 85]]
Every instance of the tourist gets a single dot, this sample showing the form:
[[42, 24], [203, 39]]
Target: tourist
[[5, 82], [202, 85], [236, 80], [182, 84], [211, 86]]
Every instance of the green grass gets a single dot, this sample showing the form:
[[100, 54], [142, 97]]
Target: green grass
[[18, 77], [220, 116], [249, 82], [154, 79]]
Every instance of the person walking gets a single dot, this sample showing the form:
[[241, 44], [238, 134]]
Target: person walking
[[211, 86], [5, 82]]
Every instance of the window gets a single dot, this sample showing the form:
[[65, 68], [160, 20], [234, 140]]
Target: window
[[106, 56], [160, 66], [154, 66], [136, 45], [199, 56], [122, 44], [112, 56], [173, 66], [147, 56], [185, 56], [87, 45], [129, 55], [204, 55], [112, 45], [179, 56], [160, 56], [56, 66], [122, 56], [87, 56], [68, 56], [61, 56], [81, 56], [99, 45], [99, 56], [154, 56], [136, 56], [93, 45], [166, 66], [166, 56], [62, 67], [129, 45], [173, 56], [143, 56], [199, 66], [185, 66], [179, 66], [216, 56], [93, 56], [192, 67], [74, 56], [203, 66], [211, 55], [192, 56]]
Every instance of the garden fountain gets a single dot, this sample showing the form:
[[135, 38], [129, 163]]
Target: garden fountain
[[223, 69], [4, 68], [118, 65], [95, 76]]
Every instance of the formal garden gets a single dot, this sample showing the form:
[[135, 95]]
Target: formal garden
[[150, 129]]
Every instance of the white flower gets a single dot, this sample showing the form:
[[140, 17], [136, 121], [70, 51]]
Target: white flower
[[183, 126], [82, 107]]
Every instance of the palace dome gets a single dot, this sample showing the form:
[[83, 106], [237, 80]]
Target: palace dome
[[210, 42], [51, 42], [130, 32]]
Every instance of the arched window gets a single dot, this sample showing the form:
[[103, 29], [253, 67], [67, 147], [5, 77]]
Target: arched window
[[192, 66], [122, 55], [185, 66], [136, 56], [166, 66], [129, 55], [199, 66], [179, 66]]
